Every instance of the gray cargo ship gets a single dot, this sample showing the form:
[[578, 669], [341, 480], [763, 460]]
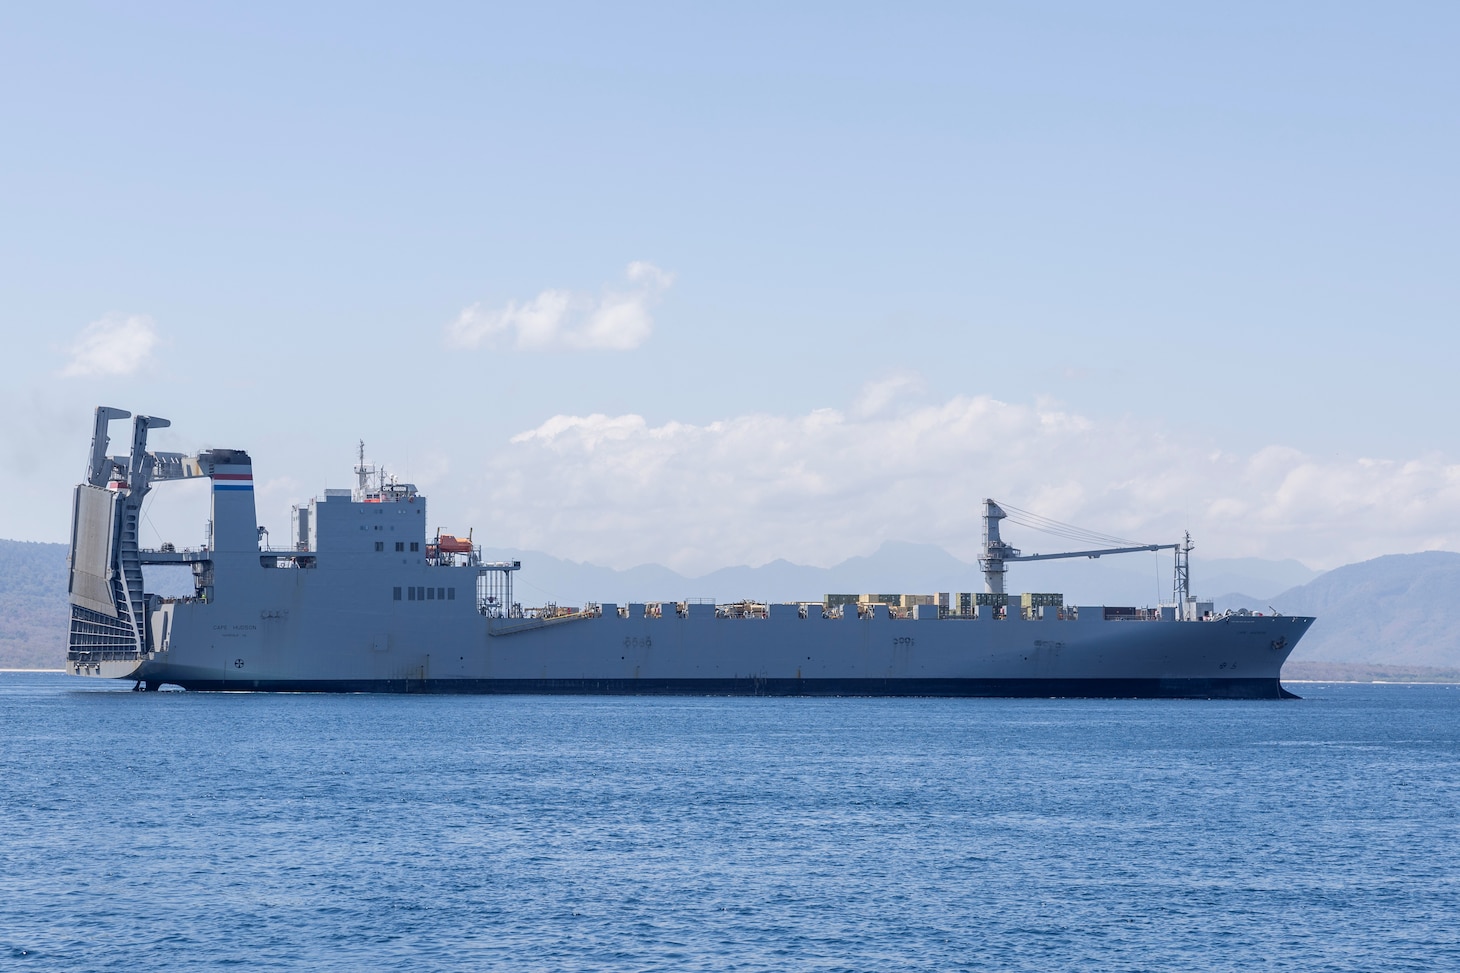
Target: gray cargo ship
[[364, 600]]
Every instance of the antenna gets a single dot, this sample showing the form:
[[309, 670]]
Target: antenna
[[363, 473]]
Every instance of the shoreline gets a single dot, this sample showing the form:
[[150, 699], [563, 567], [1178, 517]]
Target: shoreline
[[1370, 682], [1304, 670]]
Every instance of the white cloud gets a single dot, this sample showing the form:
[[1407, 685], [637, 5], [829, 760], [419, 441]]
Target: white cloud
[[115, 344], [617, 320], [878, 394], [826, 485]]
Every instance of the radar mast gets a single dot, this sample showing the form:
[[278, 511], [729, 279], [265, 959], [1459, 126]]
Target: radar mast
[[363, 473]]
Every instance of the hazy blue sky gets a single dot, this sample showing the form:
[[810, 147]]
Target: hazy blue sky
[[708, 285]]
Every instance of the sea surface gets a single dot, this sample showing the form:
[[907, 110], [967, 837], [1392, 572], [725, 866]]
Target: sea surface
[[191, 831]]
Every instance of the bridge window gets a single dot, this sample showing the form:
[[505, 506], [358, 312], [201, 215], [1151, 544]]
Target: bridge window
[[450, 594], [395, 594], [400, 546], [380, 545], [411, 593], [415, 545]]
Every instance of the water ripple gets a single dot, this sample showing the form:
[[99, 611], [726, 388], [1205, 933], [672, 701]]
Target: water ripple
[[190, 831]]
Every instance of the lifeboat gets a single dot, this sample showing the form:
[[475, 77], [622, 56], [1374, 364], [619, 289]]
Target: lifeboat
[[447, 544]]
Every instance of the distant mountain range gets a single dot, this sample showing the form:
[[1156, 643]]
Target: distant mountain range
[[1393, 609], [1387, 611]]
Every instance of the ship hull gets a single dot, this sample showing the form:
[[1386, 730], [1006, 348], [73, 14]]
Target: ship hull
[[354, 646]]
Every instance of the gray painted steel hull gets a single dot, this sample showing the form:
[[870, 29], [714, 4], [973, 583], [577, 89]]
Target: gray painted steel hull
[[302, 630]]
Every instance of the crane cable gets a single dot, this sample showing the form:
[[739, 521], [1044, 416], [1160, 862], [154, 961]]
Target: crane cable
[[1047, 525]]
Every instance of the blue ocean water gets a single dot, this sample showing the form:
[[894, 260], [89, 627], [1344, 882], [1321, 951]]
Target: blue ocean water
[[178, 831]]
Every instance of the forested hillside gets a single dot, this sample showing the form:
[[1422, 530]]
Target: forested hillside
[[33, 610], [1392, 609]]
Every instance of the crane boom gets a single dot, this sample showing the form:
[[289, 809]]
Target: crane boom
[[1108, 550], [997, 553]]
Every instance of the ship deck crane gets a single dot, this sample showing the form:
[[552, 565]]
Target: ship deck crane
[[997, 553]]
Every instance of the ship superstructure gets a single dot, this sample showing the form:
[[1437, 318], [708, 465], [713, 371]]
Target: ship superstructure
[[364, 599]]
